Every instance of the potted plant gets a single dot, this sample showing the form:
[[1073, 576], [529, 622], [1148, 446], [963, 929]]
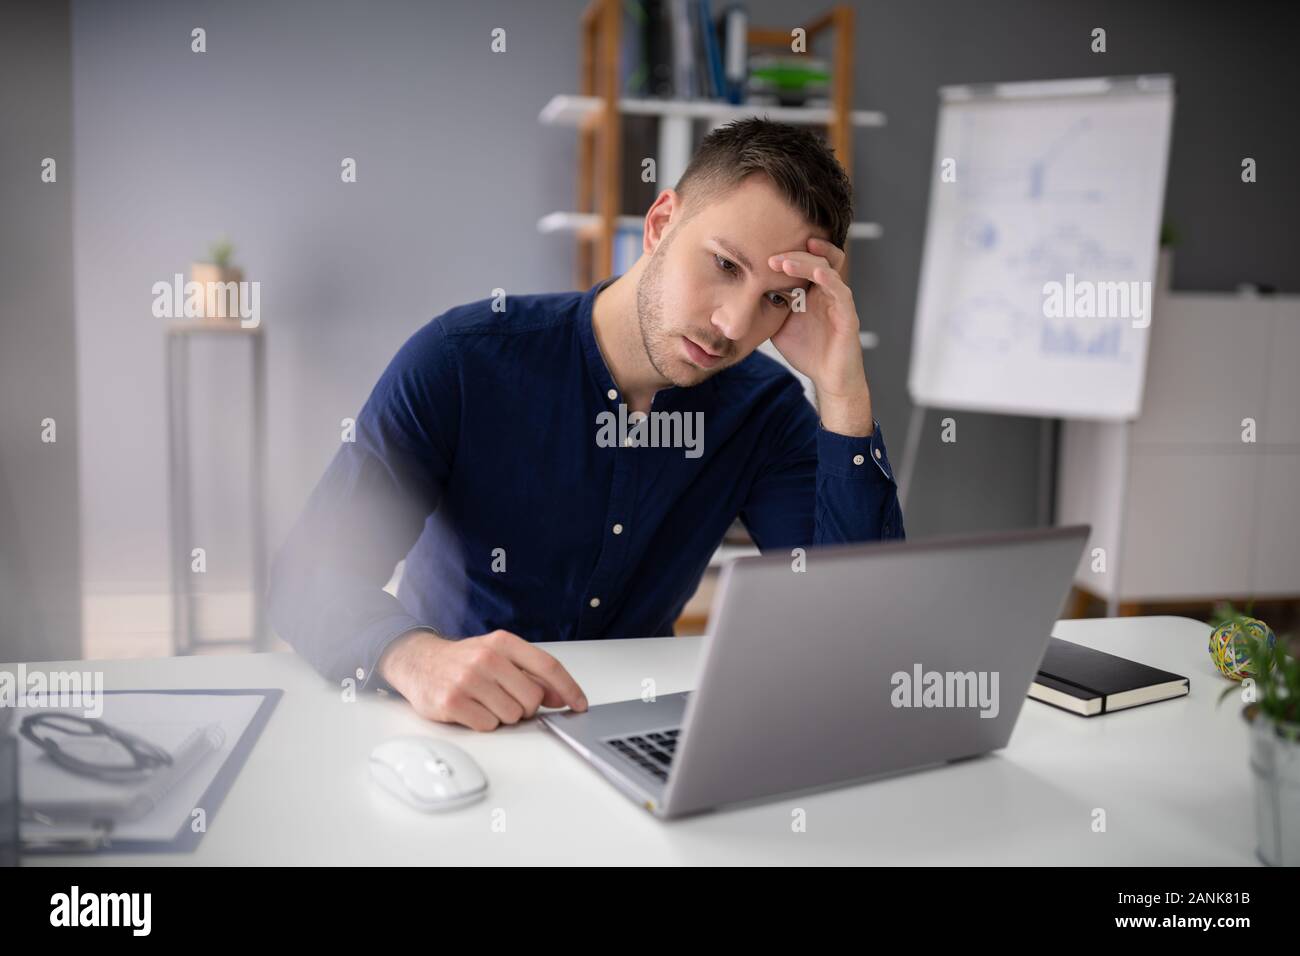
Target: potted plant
[[1272, 714], [1165, 258], [217, 269]]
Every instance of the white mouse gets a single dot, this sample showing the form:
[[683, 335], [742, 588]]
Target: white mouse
[[426, 773]]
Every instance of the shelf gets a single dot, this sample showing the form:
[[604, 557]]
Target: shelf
[[726, 552], [598, 104], [587, 225], [573, 110], [866, 230]]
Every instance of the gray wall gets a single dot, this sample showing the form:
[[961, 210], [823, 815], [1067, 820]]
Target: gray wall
[[1237, 78], [174, 148], [40, 608]]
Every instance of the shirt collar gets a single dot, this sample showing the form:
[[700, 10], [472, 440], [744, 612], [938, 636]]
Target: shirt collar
[[596, 361], [587, 333]]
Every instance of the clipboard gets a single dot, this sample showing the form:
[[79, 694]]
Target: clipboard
[[186, 839]]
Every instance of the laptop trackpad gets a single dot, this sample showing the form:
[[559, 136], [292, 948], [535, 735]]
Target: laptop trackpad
[[624, 717]]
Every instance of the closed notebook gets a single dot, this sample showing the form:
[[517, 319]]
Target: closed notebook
[[1088, 682]]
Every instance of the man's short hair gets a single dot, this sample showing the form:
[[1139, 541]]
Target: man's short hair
[[798, 162]]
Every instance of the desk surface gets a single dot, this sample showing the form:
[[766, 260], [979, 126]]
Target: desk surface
[[1173, 779]]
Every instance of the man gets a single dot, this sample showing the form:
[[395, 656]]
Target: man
[[562, 467]]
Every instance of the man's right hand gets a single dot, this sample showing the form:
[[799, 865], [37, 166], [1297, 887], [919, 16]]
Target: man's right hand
[[481, 682]]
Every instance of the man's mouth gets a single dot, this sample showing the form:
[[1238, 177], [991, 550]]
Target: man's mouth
[[699, 355]]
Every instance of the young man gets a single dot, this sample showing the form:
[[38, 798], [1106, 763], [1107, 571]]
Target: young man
[[562, 468]]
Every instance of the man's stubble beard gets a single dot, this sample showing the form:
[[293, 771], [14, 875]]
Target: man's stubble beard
[[649, 313], [649, 310]]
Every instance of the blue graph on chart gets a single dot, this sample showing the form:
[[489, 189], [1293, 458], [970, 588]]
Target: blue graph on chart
[[1064, 338], [1035, 179], [1037, 278], [1068, 249], [991, 323], [979, 233], [1027, 219]]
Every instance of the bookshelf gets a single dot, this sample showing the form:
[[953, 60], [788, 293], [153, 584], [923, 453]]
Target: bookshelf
[[597, 111]]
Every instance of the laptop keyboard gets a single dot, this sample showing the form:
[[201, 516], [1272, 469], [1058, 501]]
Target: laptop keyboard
[[653, 752]]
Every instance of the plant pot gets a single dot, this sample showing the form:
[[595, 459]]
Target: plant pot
[[1275, 765], [220, 299]]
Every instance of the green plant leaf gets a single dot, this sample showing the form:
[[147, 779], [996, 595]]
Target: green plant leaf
[[220, 252]]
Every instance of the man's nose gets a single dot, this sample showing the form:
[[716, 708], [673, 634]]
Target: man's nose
[[734, 321]]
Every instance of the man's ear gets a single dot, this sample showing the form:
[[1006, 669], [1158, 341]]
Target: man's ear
[[665, 213]]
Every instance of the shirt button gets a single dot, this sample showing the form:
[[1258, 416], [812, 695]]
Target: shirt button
[[595, 602], [612, 394], [858, 459], [877, 454], [617, 529]]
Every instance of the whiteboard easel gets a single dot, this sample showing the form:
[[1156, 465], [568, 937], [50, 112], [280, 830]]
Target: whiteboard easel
[[1052, 182]]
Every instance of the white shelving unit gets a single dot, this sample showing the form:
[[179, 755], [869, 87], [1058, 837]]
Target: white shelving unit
[[1182, 508], [597, 119], [572, 110], [675, 142]]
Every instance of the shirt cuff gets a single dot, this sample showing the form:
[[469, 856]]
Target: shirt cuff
[[374, 641], [851, 456]]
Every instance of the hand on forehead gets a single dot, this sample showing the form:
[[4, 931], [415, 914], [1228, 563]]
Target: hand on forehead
[[815, 251], [818, 252]]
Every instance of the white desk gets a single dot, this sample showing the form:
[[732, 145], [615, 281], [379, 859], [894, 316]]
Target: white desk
[[1173, 778]]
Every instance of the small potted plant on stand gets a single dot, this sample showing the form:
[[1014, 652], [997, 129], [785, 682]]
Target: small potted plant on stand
[[1271, 690], [218, 269]]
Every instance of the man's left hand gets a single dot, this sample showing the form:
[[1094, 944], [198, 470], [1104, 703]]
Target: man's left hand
[[822, 341]]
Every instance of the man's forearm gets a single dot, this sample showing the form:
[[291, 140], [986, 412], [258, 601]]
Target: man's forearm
[[392, 663], [848, 414]]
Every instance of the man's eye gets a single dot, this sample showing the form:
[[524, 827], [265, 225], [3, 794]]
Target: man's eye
[[774, 299]]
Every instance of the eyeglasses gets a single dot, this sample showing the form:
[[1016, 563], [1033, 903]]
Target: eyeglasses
[[93, 748]]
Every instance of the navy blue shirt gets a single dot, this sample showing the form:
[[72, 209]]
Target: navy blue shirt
[[491, 457]]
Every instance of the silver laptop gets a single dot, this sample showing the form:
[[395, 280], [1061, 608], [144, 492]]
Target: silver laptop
[[872, 660]]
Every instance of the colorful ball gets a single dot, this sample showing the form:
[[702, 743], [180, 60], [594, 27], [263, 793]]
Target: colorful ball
[[1229, 652]]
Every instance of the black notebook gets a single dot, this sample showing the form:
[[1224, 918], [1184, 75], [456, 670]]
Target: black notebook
[[1083, 681]]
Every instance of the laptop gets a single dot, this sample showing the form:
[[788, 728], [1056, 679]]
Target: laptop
[[873, 660]]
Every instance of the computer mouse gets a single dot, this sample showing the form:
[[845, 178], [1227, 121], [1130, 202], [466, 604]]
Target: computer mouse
[[427, 773]]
